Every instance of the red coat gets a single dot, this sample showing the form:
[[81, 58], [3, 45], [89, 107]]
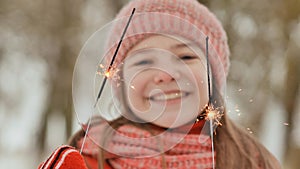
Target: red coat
[[67, 157]]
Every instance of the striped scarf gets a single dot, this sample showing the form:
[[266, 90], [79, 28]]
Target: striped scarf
[[136, 148]]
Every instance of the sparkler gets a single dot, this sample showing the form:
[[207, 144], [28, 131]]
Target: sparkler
[[208, 71], [107, 74], [211, 113]]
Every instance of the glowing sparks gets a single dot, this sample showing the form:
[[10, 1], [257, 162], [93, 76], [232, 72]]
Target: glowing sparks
[[108, 73], [213, 114], [286, 124], [101, 66], [237, 108], [249, 130], [251, 100]]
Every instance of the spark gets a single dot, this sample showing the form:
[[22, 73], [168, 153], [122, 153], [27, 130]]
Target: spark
[[107, 74], [213, 114], [286, 124], [250, 131], [132, 87], [237, 108], [240, 90], [111, 73]]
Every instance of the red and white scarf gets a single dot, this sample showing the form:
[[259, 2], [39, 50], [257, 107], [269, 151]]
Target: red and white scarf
[[135, 148]]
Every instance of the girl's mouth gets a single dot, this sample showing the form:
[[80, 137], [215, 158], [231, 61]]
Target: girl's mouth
[[171, 95]]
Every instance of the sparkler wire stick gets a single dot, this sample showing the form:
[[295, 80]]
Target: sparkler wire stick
[[114, 56], [212, 142], [105, 77], [209, 104], [208, 72]]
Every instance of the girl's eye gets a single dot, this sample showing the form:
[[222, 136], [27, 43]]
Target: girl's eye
[[142, 62], [187, 57]]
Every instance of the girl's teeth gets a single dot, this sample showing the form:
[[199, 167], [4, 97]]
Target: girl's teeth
[[168, 96]]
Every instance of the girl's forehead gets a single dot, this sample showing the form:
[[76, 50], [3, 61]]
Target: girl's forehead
[[157, 41], [171, 43]]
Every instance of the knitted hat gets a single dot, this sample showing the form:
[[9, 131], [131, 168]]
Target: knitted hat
[[185, 18]]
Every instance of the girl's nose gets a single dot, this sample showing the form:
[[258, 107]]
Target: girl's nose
[[165, 77]]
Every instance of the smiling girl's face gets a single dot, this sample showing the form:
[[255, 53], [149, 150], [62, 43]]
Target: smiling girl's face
[[165, 81]]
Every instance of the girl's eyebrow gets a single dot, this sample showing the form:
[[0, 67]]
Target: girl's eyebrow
[[184, 45], [137, 52]]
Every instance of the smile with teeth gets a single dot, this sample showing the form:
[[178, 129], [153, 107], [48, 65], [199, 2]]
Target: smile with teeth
[[168, 96]]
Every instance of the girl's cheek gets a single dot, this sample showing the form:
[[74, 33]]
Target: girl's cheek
[[135, 84]]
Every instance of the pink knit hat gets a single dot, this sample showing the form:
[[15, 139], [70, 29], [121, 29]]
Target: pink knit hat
[[185, 18]]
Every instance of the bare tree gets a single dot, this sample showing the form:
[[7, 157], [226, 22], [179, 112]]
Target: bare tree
[[64, 28], [279, 17], [291, 14], [69, 25]]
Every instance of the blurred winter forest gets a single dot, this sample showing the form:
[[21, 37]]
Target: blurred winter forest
[[41, 40]]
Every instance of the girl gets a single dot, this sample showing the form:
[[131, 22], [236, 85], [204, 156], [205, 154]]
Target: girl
[[169, 104]]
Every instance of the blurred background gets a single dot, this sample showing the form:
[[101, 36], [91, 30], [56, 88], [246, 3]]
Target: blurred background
[[40, 42]]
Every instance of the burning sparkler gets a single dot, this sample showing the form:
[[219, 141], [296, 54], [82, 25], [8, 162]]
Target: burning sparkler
[[210, 113], [107, 74], [214, 114], [110, 74]]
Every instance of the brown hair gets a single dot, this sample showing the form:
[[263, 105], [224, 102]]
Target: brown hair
[[235, 148]]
